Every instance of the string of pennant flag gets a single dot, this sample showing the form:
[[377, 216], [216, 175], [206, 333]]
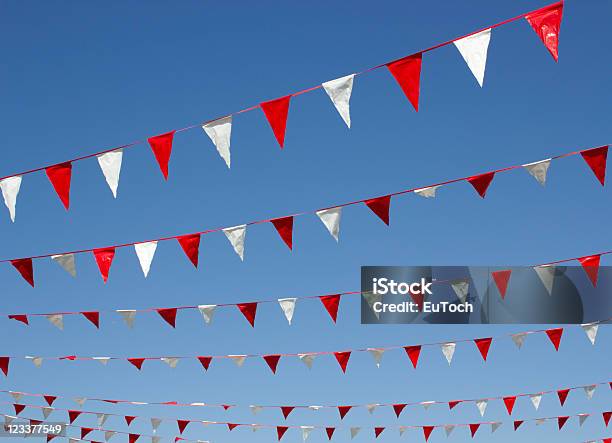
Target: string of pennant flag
[[342, 357], [473, 47], [595, 158]]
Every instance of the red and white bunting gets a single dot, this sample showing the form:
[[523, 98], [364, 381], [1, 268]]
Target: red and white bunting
[[474, 49], [110, 164], [220, 132], [10, 190], [236, 236], [60, 177], [67, 262], [546, 22], [145, 253], [407, 73], [161, 145], [538, 170], [276, 112], [339, 91], [331, 219]]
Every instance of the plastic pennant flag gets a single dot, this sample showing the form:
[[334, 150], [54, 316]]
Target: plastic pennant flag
[[343, 358], [519, 339], [238, 359], [561, 421], [23, 318], [343, 410], [606, 417], [371, 299], [509, 403], [169, 315], [8, 419], [220, 133], [378, 431], [255, 409], [483, 345], [590, 264], [207, 312], [59, 176], [155, 422], [377, 355], [110, 164], [306, 430], [288, 307], [482, 406], [145, 253], [380, 207], [276, 112], [272, 362], [555, 336], [462, 289], [101, 419], [448, 349], [104, 258], [330, 432], [129, 315], [331, 219], [73, 415], [427, 404], [517, 424], [182, 424], [137, 362], [596, 159], [407, 73], [25, 268], [132, 438], [474, 428], [191, 247], [284, 227], [536, 399], [453, 403], [413, 353], [161, 145], [546, 274], [427, 430], [331, 303], [155, 439], [590, 330], [501, 279], [481, 182], [10, 190], [589, 391], [495, 426], [307, 359], [93, 317], [103, 360], [538, 170], [448, 429], [473, 49], [236, 236], [429, 192], [280, 431], [546, 22], [582, 418], [354, 431], [67, 262], [399, 408], [16, 396], [170, 361], [402, 429], [249, 310], [562, 394], [47, 411], [56, 320], [339, 91]]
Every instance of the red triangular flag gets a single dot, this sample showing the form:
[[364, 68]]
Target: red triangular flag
[[94, 317], [501, 279], [413, 354], [24, 266], [85, 431], [555, 336], [161, 145], [343, 410], [49, 399], [284, 227], [104, 259], [276, 112], [517, 423], [168, 314], [286, 410], [330, 432], [249, 310], [561, 421], [481, 182], [398, 408], [59, 176], [50, 437], [343, 358], [18, 408], [473, 428], [562, 394], [231, 426], [34, 422], [483, 345], [590, 264], [596, 159], [182, 424], [378, 431], [133, 437], [205, 360], [280, 431], [509, 402], [73, 415], [331, 303], [129, 419], [272, 361], [19, 317], [453, 403], [546, 23], [191, 246], [380, 206], [407, 73], [427, 430], [137, 362], [4, 364], [606, 417]]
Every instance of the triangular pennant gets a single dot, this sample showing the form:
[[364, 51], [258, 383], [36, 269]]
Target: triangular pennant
[[371, 298], [236, 236], [25, 268], [132, 438], [517, 424], [170, 361], [402, 429], [398, 408], [306, 430], [108, 435], [546, 22], [590, 330], [562, 394], [501, 279], [249, 310], [145, 253], [73, 415], [343, 410], [272, 361], [205, 361], [448, 349], [453, 403], [161, 145], [596, 159], [19, 408], [47, 411], [238, 359], [286, 410], [331, 303], [84, 432], [220, 132], [129, 419], [377, 355], [474, 428], [93, 317], [330, 432], [380, 207], [482, 406], [606, 417], [23, 318], [461, 288], [589, 391], [288, 307], [50, 399], [191, 246], [307, 359], [413, 353], [284, 227], [481, 182], [255, 409], [129, 315], [546, 274], [339, 91], [137, 362], [104, 259], [372, 407], [169, 315], [448, 429], [427, 430], [280, 431], [473, 49], [56, 320], [67, 262], [536, 399], [101, 419], [378, 431], [590, 264], [182, 424], [582, 418], [354, 431], [10, 190], [59, 176], [538, 170], [110, 163], [331, 219], [429, 192], [519, 339], [561, 421], [342, 358], [555, 336], [483, 345], [407, 73], [276, 112], [509, 403]]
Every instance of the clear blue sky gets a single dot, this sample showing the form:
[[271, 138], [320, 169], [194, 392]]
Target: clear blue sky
[[80, 76]]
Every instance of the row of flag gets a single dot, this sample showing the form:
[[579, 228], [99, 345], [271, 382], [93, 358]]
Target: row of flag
[[595, 158], [473, 48]]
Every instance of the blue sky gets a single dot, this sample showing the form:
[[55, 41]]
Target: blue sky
[[81, 77]]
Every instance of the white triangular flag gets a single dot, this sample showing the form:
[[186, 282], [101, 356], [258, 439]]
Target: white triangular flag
[[448, 349], [108, 435], [170, 361], [10, 189], [540, 421], [103, 360], [339, 90], [66, 261], [220, 132], [73, 440], [129, 316], [370, 299], [307, 359], [461, 288], [331, 219], [145, 253], [56, 320], [495, 426], [314, 407], [101, 419], [8, 419], [547, 276], [401, 430], [354, 431], [110, 163], [236, 235], [238, 359], [473, 49], [155, 439], [377, 355], [255, 409], [519, 339], [47, 411], [449, 429], [37, 361], [589, 391], [538, 170], [591, 331], [482, 406], [80, 400], [155, 422], [255, 427], [582, 418], [288, 307], [429, 192], [535, 400], [372, 407], [207, 312], [306, 430], [16, 396]]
